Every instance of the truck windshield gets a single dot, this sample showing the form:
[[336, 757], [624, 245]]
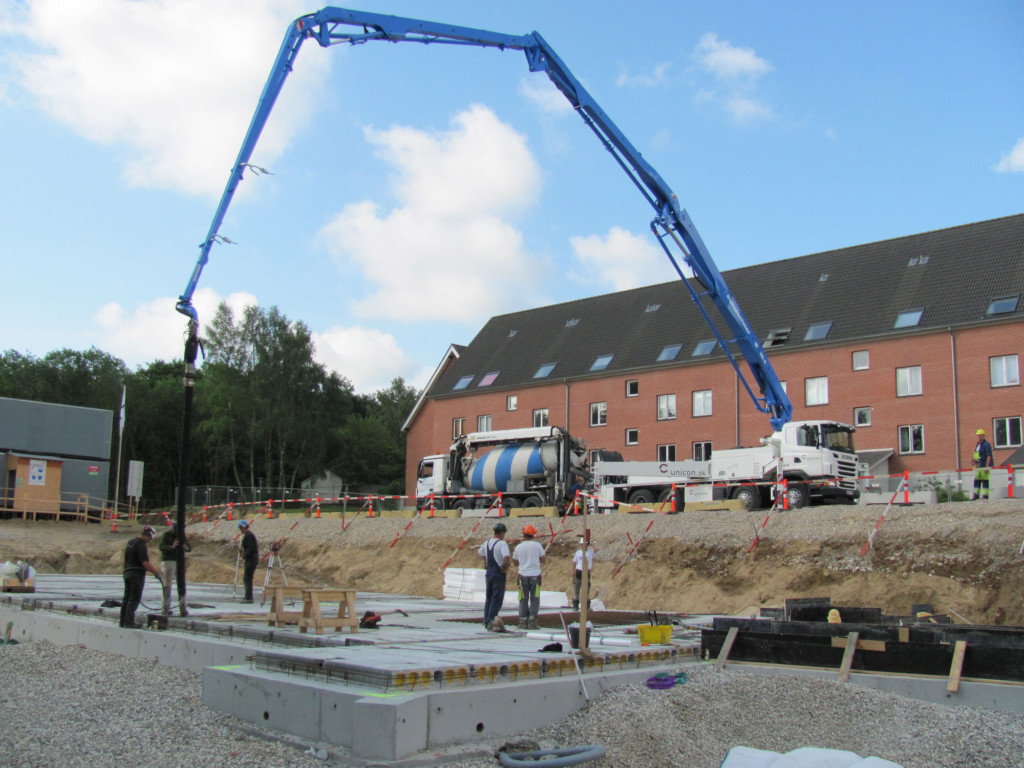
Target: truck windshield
[[837, 438]]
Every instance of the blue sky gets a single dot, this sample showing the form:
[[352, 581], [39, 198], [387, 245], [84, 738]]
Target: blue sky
[[419, 190]]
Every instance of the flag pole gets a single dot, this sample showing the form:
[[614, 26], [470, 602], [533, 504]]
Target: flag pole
[[120, 441]]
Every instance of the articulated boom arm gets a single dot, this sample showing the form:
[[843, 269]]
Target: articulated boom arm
[[330, 26]]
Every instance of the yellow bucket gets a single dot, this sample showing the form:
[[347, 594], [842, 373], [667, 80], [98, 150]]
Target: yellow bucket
[[655, 635]]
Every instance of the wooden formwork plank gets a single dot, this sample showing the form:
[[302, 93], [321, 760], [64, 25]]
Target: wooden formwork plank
[[851, 648], [723, 655], [959, 649]]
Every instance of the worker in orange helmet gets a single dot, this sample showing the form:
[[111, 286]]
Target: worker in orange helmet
[[529, 557]]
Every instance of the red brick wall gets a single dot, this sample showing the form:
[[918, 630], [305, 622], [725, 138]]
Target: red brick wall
[[735, 420]]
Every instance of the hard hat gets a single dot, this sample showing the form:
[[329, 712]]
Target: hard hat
[[980, 432], [148, 531], [529, 531], [500, 528], [243, 524]]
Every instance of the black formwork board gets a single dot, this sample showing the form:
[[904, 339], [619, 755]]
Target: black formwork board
[[913, 657]]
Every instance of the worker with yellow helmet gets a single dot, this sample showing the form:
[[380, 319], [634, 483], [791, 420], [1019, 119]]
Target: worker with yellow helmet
[[982, 466]]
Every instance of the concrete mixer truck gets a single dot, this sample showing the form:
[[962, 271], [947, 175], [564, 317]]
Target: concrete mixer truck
[[531, 467]]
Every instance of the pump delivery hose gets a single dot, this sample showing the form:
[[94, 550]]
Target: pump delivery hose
[[560, 757]]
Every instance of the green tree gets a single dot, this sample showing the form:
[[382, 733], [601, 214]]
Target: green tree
[[269, 408]]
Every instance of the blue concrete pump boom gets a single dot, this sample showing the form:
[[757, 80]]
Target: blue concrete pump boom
[[671, 224]]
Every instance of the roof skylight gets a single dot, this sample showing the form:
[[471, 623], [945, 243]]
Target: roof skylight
[[669, 353], [464, 382], [1003, 305], [704, 348], [818, 331], [488, 379], [544, 370], [908, 318], [601, 362]]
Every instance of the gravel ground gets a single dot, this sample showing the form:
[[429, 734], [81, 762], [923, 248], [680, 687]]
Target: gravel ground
[[63, 705]]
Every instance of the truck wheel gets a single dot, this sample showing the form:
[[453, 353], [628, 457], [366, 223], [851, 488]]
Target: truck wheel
[[749, 495], [664, 495], [531, 502], [797, 496], [461, 504], [641, 496]]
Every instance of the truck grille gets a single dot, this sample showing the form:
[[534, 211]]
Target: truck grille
[[847, 474]]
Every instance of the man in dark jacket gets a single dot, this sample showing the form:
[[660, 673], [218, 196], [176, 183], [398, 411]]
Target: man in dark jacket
[[169, 546], [250, 558], [136, 563]]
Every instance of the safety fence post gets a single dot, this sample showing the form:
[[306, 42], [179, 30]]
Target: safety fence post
[[113, 519], [231, 504], [270, 509], [1009, 487], [785, 494], [906, 487], [501, 505], [318, 505], [673, 507], [431, 505], [370, 514], [204, 514]]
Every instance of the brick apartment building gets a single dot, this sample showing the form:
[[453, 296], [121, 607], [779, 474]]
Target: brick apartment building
[[916, 341]]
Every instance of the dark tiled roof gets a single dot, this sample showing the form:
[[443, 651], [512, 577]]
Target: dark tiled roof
[[950, 274]]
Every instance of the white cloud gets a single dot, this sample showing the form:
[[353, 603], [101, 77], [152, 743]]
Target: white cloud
[[538, 89], [155, 330], [745, 109], [727, 62], [737, 71], [1012, 161], [448, 248], [175, 82], [620, 260], [368, 358], [658, 77]]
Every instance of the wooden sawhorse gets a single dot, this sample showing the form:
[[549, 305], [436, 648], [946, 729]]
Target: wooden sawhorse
[[311, 616], [278, 616]]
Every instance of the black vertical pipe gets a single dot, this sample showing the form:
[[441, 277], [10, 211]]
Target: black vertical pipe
[[191, 350]]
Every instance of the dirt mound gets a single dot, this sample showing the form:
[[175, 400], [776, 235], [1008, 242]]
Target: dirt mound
[[963, 558]]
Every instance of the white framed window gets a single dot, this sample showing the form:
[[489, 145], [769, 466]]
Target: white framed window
[[666, 407], [512, 403], [483, 423], [908, 381], [666, 453], [632, 436], [912, 438], [598, 414], [702, 450], [861, 361], [458, 427], [540, 417], [632, 388], [816, 391], [1006, 432], [1004, 371], [702, 402], [862, 416]]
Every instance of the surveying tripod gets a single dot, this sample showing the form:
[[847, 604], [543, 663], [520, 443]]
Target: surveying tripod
[[272, 561]]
